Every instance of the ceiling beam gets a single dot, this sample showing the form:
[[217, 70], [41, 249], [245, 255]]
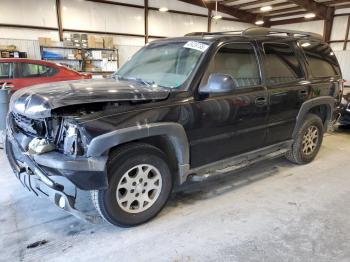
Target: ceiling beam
[[292, 21], [257, 2], [342, 6], [278, 5], [231, 1], [287, 14], [284, 11], [335, 2], [319, 9], [242, 15]]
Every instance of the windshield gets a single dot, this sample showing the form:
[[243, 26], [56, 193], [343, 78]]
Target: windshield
[[163, 64]]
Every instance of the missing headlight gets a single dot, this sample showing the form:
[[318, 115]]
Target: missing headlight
[[72, 141]]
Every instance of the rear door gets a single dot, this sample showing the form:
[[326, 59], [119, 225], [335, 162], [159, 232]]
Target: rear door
[[287, 88]]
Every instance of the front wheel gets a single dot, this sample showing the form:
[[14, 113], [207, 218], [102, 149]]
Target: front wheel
[[308, 140], [140, 183]]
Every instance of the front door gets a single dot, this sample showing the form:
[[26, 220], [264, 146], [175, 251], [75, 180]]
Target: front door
[[234, 123]]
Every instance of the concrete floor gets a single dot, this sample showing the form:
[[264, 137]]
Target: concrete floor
[[274, 211]]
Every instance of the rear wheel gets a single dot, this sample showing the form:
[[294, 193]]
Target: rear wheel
[[140, 183], [308, 140]]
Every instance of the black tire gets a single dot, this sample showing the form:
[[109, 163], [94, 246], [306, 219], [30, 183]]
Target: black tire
[[121, 161], [296, 154]]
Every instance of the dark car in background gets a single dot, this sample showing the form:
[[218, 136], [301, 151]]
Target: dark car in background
[[16, 73], [344, 107]]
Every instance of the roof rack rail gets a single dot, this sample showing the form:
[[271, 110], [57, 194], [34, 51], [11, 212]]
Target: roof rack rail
[[260, 31], [238, 32], [263, 31]]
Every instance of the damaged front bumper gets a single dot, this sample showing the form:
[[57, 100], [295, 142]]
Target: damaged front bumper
[[37, 173]]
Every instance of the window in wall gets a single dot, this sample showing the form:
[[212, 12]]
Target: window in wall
[[321, 59], [239, 61], [281, 64], [36, 70], [6, 70]]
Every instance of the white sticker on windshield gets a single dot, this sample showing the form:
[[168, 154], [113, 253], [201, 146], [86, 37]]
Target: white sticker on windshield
[[196, 45]]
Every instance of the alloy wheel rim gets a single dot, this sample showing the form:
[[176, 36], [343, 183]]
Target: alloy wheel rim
[[310, 140], [139, 188]]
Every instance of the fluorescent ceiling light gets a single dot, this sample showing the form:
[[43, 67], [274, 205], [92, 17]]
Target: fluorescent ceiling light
[[217, 17], [305, 44], [310, 15], [163, 9], [266, 8], [259, 22]]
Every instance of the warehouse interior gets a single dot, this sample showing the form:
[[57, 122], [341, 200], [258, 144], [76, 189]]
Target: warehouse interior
[[272, 210]]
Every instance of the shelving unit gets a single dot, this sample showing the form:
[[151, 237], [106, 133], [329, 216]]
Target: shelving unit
[[83, 61]]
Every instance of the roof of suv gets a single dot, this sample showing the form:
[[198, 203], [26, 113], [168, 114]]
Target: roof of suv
[[250, 34]]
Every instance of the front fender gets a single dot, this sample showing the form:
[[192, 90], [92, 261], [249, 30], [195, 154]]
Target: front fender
[[174, 131]]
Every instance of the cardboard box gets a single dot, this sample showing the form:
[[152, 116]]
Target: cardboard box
[[91, 41], [108, 42], [8, 47], [5, 54], [84, 37], [77, 54], [98, 42], [45, 41]]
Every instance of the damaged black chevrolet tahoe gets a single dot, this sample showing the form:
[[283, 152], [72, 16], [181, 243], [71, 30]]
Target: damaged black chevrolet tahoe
[[181, 109]]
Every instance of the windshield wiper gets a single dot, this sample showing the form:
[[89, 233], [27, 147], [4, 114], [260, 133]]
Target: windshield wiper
[[138, 80]]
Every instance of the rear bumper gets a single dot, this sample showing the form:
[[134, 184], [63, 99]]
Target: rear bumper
[[344, 111], [34, 178]]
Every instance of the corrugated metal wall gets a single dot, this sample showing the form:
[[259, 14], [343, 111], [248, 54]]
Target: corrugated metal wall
[[30, 46]]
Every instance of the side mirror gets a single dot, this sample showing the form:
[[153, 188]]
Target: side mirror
[[218, 83]]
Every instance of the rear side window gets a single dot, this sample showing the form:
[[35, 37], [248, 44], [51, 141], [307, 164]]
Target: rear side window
[[239, 61], [35, 70], [6, 70], [321, 59], [281, 64]]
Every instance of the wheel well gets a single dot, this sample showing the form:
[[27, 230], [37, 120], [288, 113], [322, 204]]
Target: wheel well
[[165, 145], [323, 111]]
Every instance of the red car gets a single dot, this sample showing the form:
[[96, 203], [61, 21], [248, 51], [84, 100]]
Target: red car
[[20, 72]]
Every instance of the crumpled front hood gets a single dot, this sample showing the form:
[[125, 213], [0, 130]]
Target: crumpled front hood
[[38, 101]]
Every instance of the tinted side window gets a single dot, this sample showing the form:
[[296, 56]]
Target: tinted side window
[[239, 61], [321, 59], [281, 64], [6, 70], [35, 70]]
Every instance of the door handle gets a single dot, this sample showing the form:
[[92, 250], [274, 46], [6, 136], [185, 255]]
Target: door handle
[[261, 101]]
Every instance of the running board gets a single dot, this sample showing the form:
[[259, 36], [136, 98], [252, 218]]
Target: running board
[[238, 163]]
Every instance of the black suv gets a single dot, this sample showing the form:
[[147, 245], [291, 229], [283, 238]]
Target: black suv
[[183, 108]]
